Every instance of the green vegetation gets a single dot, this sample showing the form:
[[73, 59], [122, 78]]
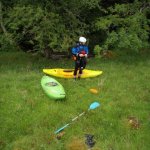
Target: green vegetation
[[117, 32], [53, 26], [28, 118]]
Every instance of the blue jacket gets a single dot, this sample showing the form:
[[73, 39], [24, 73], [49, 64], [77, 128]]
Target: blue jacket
[[76, 50]]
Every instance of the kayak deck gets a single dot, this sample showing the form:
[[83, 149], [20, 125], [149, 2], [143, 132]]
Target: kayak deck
[[68, 73]]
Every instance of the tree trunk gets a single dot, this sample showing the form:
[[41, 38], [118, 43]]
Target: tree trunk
[[7, 35], [1, 20]]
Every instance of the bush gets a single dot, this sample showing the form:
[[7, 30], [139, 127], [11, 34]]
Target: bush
[[126, 27], [97, 50], [6, 44], [36, 29]]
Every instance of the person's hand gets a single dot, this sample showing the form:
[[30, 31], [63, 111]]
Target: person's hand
[[86, 55], [81, 55]]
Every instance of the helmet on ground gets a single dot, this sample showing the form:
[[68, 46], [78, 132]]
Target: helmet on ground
[[82, 39]]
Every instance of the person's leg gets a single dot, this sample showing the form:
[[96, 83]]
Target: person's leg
[[75, 73], [82, 66], [80, 72], [84, 63], [76, 69]]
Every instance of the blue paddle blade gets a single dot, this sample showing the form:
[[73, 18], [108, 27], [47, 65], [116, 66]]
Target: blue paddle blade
[[94, 105]]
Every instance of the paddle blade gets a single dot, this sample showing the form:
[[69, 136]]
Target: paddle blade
[[94, 105]]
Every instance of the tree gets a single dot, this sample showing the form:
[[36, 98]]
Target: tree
[[6, 40], [126, 26], [55, 25]]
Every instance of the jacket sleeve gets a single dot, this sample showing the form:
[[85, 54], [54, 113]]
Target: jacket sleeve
[[74, 51], [87, 50]]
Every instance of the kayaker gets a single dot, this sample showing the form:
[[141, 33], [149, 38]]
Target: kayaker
[[80, 54]]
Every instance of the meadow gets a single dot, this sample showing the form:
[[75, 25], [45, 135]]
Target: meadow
[[28, 118]]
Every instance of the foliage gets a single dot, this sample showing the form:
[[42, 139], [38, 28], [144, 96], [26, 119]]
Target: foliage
[[4, 43], [56, 25], [97, 50], [37, 28], [126, 27]]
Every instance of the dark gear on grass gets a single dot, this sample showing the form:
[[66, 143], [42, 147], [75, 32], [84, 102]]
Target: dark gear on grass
[[89, 140]]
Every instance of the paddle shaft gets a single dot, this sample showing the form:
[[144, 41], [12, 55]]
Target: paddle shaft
[[75, 118], [94, 105]]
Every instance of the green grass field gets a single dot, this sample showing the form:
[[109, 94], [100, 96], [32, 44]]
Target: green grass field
[[28, 118]]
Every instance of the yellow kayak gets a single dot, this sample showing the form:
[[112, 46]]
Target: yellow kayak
[[68, 73]]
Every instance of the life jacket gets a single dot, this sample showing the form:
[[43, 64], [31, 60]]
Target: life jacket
[[80, 49], [82, 52]]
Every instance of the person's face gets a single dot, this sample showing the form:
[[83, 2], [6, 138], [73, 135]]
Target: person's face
[[83, 43]]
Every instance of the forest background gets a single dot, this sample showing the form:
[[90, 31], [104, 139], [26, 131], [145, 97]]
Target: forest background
[[49, 26]]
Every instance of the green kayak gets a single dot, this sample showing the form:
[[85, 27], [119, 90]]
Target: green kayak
[[52, 88]]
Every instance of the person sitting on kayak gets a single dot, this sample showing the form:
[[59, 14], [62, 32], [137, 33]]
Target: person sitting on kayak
[[80, 53]]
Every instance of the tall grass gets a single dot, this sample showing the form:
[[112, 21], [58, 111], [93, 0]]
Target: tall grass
[[28, 118]]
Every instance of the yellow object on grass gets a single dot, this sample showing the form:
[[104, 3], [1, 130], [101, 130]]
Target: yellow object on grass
[[68, 73], [94, 91]]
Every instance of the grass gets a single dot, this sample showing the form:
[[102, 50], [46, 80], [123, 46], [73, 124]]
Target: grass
[[28, 118]]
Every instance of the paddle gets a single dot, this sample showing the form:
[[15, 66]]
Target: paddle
[[94, 105]]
